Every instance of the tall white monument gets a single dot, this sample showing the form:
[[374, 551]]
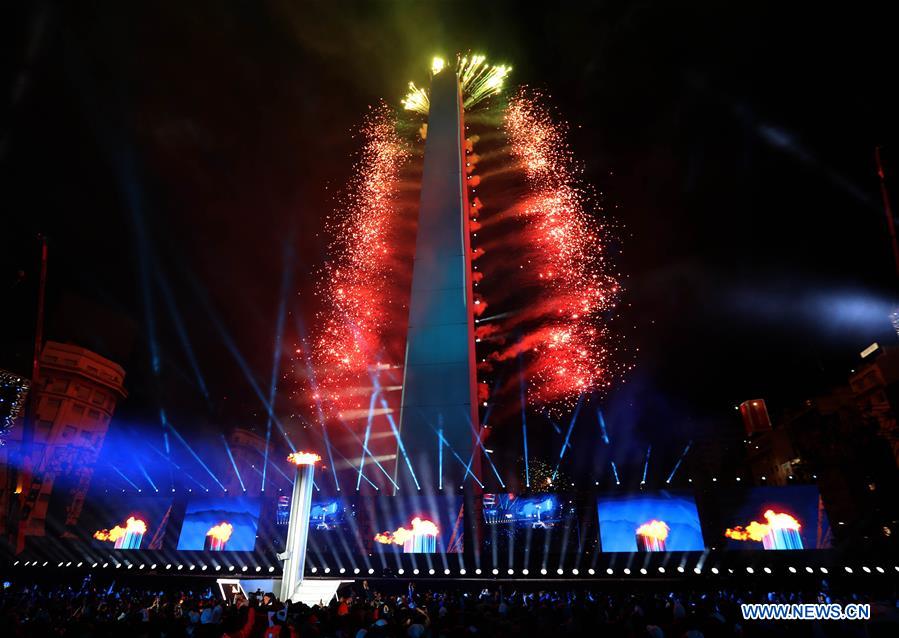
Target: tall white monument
[[294, 555]]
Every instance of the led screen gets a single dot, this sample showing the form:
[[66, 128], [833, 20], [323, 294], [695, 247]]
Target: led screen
[[220, 523], [131, 523], [649, 522], [775, 518], [416, 525]]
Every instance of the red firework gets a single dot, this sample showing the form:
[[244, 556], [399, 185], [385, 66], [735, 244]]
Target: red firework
[[357, 285], [568, 352]]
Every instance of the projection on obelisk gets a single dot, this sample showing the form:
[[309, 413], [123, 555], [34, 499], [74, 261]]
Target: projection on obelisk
[[294, 555], [439, 402]]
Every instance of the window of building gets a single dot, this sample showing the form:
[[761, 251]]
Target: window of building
[[94, 414]]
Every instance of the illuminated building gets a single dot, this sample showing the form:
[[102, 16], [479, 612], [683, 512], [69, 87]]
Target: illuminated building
[[75, 398]]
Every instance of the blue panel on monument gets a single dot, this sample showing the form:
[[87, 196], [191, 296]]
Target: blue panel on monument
[[439, 382]]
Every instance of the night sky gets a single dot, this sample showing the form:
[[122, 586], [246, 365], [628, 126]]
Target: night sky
[[733, 144]]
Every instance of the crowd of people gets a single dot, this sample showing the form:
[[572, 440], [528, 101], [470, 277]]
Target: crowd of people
[[90, 609]]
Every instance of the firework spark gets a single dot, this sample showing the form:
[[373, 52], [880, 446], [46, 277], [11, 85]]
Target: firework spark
[[357, 285], [479, 81], [568, 349]]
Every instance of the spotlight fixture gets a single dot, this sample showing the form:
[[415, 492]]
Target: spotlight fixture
[[791, 569], [495, 571], [559, 571], [431, 571], [680, 569], [714, 570], [661, 570], [643, 570], [809, 569], [697, 570], [446, 571], [525, 571], [415, 571], [355, 570], [401, 571], [767, 570], [575, 571], [478, 571], [543, 571], [371, 571], [749, 570], [610, 571], [511, 572], [866, 569], [591, 571], [627, 571]]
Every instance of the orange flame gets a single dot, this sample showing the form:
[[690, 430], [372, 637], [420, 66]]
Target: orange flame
[[420, 526], [221, 532], [132, 525], [756, 531], [304, 458], [654, 529]]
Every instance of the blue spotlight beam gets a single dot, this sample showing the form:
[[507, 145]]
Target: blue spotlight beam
[[195, 455], [440, 459], [602, 426], [233, 463], [615, 473], [120, 473], [679, 461], [146, 475], [276, 356], [181, 331], [371, 412], [374, 459], [646, 464], [310, 371], [480, 445], [399, 442], [489, 411], [565, 446], [239, 359], [177, 467], [524, 419], [467, 467]]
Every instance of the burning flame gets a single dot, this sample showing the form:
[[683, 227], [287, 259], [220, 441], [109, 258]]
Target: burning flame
[[132, 525], [304, 458], [654, 529], [221, 532], [420, 527], [756, 531]]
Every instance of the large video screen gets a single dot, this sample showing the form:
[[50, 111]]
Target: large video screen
[[220, 523], [775, 518], [131, 523], [417, 525], [664, 521], [325, 514], [540, 511]]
